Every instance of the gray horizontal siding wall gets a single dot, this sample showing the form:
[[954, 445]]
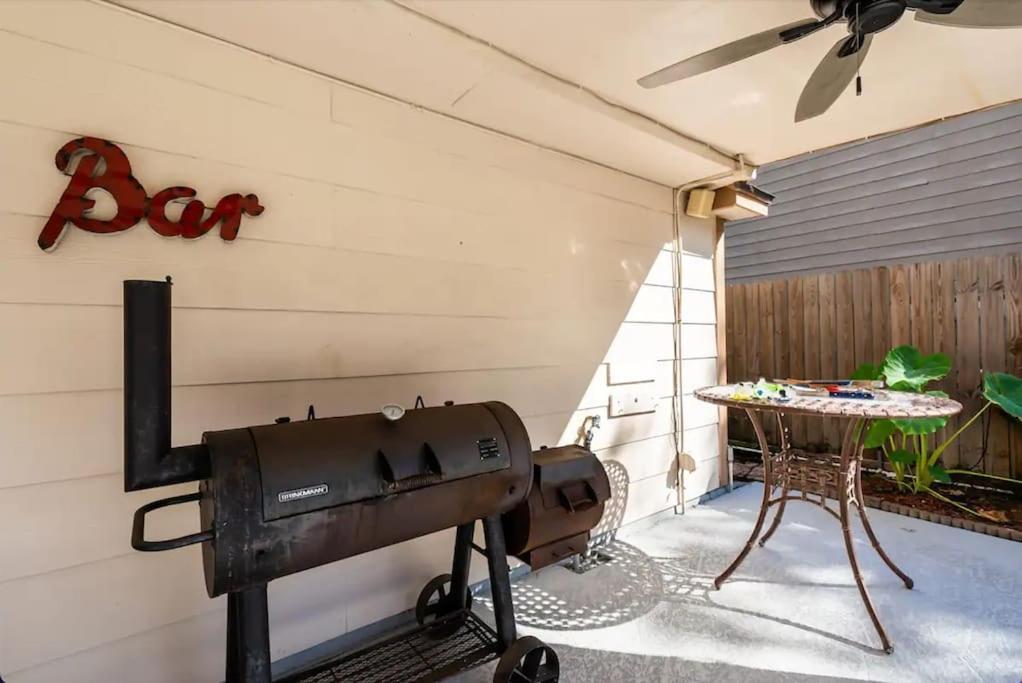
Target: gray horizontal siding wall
[[942, 191]]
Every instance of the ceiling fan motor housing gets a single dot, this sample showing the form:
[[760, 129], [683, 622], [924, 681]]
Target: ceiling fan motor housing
[[873, 16], [824, 8], [863, 16]]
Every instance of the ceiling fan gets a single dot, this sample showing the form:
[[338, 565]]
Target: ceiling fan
[[863, 18]]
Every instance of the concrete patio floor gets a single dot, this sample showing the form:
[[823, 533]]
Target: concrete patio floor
[[791, 612]]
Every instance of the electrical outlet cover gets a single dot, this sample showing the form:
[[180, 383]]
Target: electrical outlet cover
[[632, 402]]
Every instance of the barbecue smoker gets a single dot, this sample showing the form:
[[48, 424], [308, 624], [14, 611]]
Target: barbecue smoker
[[281, 498]]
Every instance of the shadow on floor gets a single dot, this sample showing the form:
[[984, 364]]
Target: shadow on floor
[[629, 587], [579, 664]]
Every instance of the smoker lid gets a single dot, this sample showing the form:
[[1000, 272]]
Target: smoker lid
[[316, 464]]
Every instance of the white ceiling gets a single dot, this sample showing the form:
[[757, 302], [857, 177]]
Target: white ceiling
[[915, 72]]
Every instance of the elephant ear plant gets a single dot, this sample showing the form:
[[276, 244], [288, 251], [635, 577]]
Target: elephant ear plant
[[907, 443]]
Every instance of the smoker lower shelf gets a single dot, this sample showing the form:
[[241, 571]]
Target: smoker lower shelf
[[411, 657]]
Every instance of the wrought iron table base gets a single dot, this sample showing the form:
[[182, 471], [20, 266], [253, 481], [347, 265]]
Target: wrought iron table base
[[817, 475]]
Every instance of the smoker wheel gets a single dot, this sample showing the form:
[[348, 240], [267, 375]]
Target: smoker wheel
[[528, 660], [436, 602]]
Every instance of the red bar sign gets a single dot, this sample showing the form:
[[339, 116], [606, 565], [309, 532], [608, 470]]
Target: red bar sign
[[102, 165]]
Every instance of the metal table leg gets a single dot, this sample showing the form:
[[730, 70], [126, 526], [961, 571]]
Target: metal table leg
[[785, 481], [848, 488], [768, 487], [860, 503]]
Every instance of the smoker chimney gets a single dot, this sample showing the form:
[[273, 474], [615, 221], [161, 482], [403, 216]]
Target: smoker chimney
[[149, 459]]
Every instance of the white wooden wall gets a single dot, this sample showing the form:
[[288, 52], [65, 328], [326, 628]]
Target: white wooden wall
[[400, 253]]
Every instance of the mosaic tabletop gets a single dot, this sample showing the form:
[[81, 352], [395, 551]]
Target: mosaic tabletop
[[893, 404]]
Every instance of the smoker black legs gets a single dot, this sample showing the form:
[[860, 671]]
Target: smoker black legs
[[460, 565], [522, 660], [500, 581], [248, 637], [500, 578], [248, 629]]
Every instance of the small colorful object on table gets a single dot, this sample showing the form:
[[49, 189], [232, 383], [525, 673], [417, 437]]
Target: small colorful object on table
[[762, 391]]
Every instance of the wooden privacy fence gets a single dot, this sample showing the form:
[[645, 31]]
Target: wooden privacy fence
[[824, 325]]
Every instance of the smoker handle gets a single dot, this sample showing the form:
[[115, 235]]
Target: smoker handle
[[579, 504], [138, 541]]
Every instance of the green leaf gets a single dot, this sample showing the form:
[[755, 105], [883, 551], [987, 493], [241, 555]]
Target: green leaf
[[940, 474], [939, 394], [1005, 390], [905, 369], [878, 433], [867, 371], [902, 457], [920, 426]]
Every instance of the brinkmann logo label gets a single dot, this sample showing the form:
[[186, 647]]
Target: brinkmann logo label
[[299, 494]]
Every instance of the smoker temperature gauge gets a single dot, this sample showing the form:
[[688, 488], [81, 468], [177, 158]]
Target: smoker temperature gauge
[[393, 412]]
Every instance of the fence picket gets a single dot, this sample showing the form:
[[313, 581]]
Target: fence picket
[[862, 308], [920, 295], [997, 442], [796, 357], [1013, 342], [901, 326], [811, 337], [753, 349], [967, 356], [945, 341], [828, 341], [736, 358], [844, 346], [782, 338], [880, 311], [766, 340]]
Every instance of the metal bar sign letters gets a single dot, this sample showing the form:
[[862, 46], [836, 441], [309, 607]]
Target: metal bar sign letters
[[102, 165]]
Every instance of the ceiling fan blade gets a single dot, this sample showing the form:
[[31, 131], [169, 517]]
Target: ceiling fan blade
[[978, 14], [730, 53], [831, 77]]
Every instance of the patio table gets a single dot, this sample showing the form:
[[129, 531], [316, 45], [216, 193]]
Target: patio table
[[821, 475]]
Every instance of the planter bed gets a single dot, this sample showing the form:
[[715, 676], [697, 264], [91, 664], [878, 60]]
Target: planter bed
[[881, 493]]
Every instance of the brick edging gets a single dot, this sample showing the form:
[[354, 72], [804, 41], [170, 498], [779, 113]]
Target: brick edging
[[947, 520]]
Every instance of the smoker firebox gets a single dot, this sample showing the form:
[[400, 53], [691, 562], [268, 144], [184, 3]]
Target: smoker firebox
[[281, 498], [569, 490]]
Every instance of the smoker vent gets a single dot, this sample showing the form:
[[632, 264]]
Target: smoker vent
[[412, 657]]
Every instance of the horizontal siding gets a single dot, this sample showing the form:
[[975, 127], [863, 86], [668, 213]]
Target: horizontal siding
[[942, 191], [861, 148], [96, 441], [288, 345], [400, 254]]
